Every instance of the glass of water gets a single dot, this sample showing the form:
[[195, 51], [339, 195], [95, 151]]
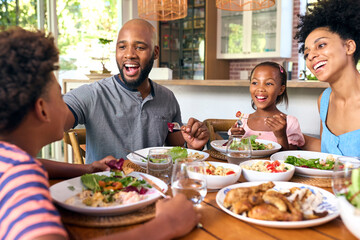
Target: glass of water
[[189, 178], [159, 164], [238, 149]]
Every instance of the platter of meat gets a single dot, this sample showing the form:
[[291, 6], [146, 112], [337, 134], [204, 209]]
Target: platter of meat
[[278, 204]]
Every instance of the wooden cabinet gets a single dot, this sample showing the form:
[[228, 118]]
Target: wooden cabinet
[[187, 46], [265, 33]]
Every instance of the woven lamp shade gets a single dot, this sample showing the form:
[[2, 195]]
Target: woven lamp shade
[[244, 5], [162, 10]]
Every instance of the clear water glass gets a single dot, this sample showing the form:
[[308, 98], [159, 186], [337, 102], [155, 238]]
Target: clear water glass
[[159, 164], [189, 178], [238, 149], [342, 174]]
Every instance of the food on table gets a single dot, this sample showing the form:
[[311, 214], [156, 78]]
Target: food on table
[[264, 203], [180, 152], [219, 170], [323, 164], [267, 166], [196, 155], [113, 190], [239, 145], [353, 194]]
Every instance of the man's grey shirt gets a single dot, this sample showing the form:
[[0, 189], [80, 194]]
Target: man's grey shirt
[[116, 116]]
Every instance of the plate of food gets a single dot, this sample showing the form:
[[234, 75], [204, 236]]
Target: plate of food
[[219, 174], [175, 152], [308, 163], [260, 147], [106, 193], [275, 204]]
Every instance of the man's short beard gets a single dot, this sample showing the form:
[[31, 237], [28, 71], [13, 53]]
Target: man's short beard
[[143, 74]]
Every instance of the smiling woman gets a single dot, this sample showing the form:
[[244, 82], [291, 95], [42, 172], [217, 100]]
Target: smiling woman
[[330, 44]]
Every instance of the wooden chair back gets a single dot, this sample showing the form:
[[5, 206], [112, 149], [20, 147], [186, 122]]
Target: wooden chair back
[[75, 138], [216, 125]]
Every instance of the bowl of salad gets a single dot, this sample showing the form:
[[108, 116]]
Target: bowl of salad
[[260, 147], [265, 170], [346, 186], [220, 175]]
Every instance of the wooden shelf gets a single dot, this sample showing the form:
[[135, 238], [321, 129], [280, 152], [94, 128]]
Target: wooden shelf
[[69, 84], [238, 83]]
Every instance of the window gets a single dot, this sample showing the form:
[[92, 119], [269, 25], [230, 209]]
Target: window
[[87, 34], [23, 13]]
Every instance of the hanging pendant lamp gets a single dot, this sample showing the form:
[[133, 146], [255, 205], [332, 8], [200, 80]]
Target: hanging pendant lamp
[[244, 5], [162, 10]]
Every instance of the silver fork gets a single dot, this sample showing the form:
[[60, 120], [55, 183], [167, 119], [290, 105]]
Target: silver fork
[[240, 123]]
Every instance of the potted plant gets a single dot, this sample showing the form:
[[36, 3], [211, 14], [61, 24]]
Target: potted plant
[[103, 42]]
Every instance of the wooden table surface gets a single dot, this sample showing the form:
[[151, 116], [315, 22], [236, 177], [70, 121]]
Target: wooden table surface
[[219, 225]]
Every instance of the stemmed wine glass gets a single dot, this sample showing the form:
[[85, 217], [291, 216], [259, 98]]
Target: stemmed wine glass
[[189, 178], [238, 149]]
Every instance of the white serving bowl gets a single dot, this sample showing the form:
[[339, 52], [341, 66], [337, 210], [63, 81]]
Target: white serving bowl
[[347, 213], [218, 182], [252, 176]]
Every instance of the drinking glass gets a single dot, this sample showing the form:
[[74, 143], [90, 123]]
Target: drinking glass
[[189, 178], [238, 149], [346, 187], [342, 174], [159, 164]]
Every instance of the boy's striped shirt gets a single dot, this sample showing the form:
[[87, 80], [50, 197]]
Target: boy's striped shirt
[[26, 209]]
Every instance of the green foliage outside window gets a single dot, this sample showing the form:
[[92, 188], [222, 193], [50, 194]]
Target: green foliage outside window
[[18, 13], [235, 38]]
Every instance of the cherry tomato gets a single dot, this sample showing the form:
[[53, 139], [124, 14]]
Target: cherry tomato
[[238, 114]]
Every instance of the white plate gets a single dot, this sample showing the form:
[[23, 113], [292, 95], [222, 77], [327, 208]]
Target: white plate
[[306, 172], [329, 204], [145, 151], [218, 145], [60, 192]]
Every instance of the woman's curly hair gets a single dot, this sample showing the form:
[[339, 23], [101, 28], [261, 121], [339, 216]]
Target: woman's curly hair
[[282, 76], [26, 62], [339, 16]]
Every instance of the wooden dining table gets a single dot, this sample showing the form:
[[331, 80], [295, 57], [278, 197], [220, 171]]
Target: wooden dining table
[[216, 224]]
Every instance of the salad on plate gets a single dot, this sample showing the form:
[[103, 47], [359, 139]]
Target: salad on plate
[[118, 188]]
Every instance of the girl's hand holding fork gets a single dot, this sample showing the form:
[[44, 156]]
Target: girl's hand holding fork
[[237, 130]]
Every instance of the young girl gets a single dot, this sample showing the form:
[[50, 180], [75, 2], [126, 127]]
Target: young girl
[[330, 39], [267, 89]]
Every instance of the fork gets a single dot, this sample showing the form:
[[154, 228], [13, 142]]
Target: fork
[[239, 122], [133, 152]]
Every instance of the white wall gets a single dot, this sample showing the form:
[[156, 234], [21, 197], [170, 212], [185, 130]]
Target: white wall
[[223, 102]]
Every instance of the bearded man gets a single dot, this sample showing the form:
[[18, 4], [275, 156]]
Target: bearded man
[[128, 110]]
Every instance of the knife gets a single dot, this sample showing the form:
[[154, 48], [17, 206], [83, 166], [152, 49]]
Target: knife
[[154, 185]]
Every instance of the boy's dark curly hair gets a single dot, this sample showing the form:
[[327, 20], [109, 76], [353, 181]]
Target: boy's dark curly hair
[[26, 62], [339, 16], [283, 77]]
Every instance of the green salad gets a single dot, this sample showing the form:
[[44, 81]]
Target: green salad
[[175, 153], [353, 195], [240, 145], [327, 164]]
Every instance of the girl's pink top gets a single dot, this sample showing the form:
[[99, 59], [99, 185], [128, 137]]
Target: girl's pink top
[[293, 131]]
